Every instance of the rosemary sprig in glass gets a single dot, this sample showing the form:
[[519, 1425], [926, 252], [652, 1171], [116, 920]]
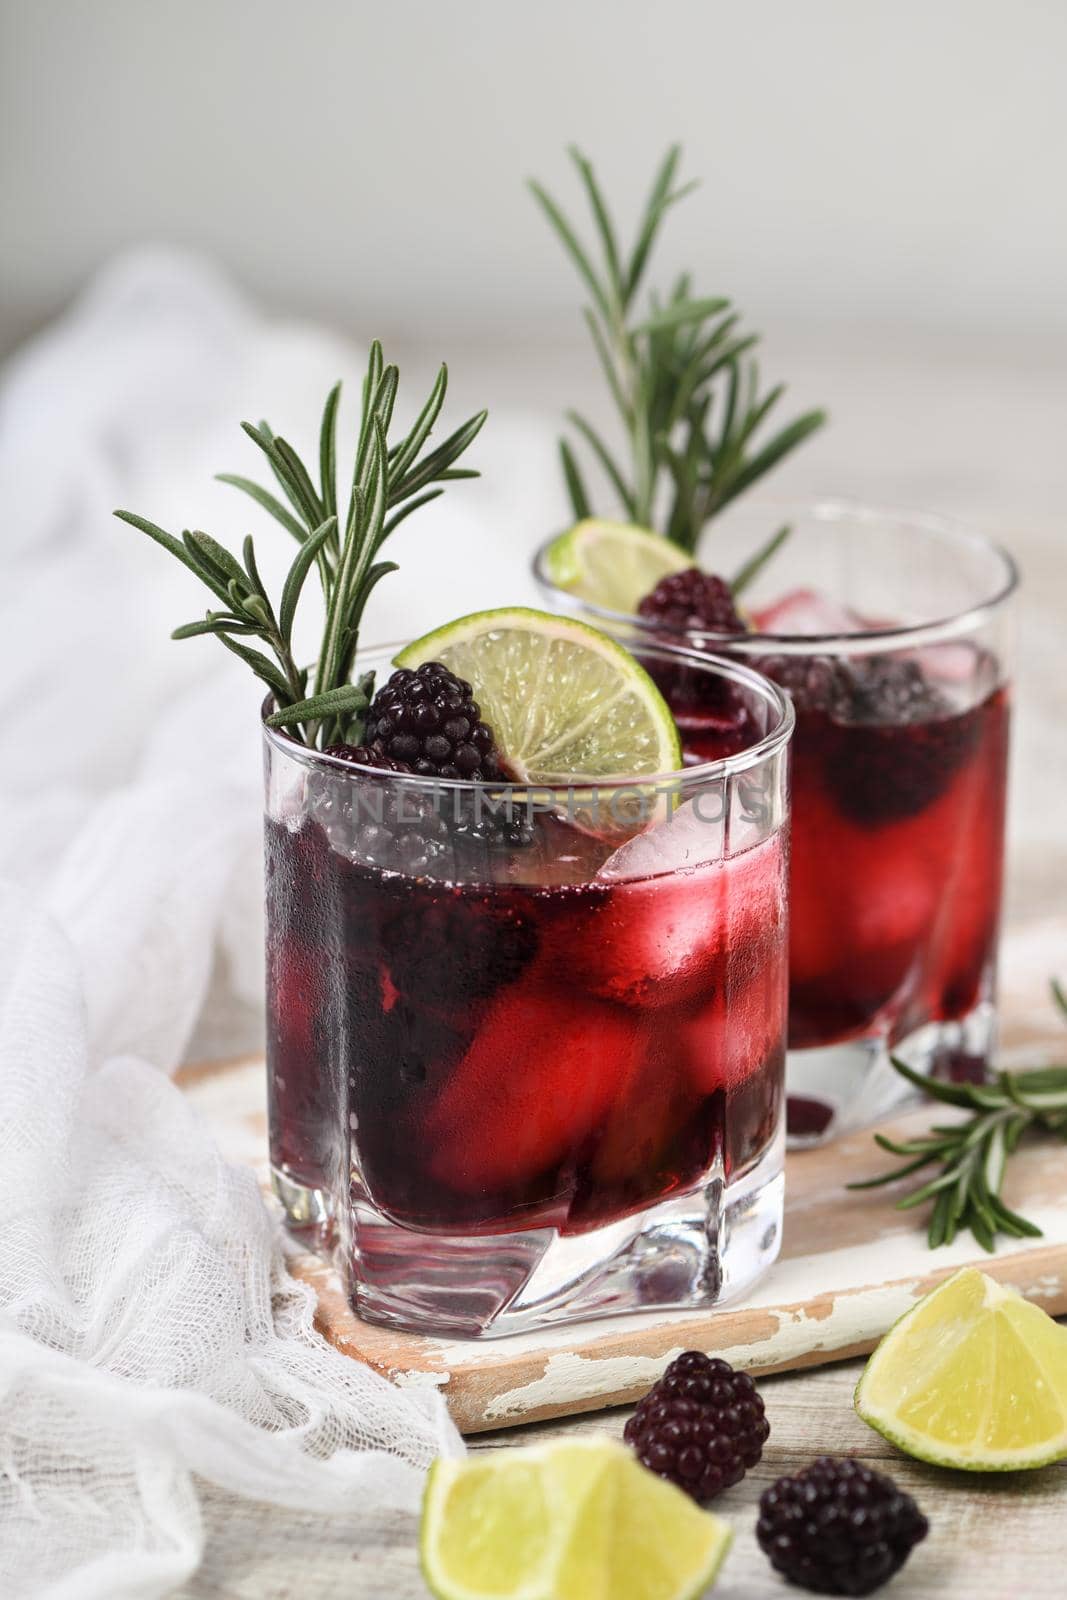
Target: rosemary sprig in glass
[[388, 482], [973, 1152], [681, 377]]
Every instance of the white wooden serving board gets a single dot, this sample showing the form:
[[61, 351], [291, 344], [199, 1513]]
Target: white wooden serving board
[[850, 1265]]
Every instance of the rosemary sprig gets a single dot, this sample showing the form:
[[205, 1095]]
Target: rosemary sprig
[[679, 372], [388, 483], [973, 1153]]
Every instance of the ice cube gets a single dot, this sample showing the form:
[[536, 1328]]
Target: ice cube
[[807, 612], [541, 1074], [668, 937], [738, 1031], [692, 836]]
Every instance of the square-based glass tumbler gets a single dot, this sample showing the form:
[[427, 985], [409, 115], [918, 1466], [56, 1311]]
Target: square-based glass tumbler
[[526, 1045], [892, 633]]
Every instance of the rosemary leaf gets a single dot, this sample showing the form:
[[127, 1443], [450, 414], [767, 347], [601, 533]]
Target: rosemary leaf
[[751, 569], [603, 222], [350, 697], [261, 665], [410, 447], [974, 1152], [780, 446], [575, 487], [383, 475], [294, 582], [419, 501], [303, 505], [440, 460], [622, 400], [189, 558], [265, 499], [656, 206], [328, 454], [214, 623], [663, 368], [574, 250], [248, 552], [603, 455], [681, 313]]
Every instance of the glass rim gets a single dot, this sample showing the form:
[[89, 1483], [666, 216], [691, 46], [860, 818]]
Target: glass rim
[[859, 641], [741, 761]]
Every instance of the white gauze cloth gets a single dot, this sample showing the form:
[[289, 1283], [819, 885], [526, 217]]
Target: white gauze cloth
[[150, 1335]]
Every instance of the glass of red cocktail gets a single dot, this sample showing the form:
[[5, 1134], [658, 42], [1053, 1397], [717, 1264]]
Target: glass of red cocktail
[[526, 1044], [891, 634]]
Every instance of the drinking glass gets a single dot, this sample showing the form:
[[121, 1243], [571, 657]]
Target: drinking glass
[[891, 632], [526, 1045]]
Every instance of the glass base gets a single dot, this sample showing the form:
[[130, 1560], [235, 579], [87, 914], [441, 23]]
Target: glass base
[[693, 1250], [309, 1213], [844, 1087]]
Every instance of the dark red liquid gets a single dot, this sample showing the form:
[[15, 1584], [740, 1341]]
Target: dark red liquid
[[507, 1055], [896, 862]]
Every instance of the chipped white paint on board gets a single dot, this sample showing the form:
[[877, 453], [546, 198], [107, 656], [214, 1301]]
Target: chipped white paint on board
[[850, 1266], [855, 1319]]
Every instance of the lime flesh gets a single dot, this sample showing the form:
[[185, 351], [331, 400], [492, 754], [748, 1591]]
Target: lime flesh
[[974, 1376], [612, 564], [564, 1521], [564, 700]]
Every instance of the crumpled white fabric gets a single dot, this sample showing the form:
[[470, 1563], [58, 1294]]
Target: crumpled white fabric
[[150, 1335]]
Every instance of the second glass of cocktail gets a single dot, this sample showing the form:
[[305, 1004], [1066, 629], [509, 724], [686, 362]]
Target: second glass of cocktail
[[892, 634]]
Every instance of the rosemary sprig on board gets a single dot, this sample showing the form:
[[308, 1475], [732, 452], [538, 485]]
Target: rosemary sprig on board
[[973, 1152], [680, 373], [387, 483]]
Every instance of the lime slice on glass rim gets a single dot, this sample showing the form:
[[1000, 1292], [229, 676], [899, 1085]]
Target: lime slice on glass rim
[[973, 1377], [612, 564], [564, 700], [564, 1521]]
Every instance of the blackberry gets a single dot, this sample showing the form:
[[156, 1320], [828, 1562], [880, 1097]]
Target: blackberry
[[429, 720], [424, 724], [487, 833], [838, 1527], [365, 756], [395, 827], [890, 691], [692, 601], [696, 602], [701, 1426], [451, 950], [885, 773], [813, 683], [480, 826], [870, 691]]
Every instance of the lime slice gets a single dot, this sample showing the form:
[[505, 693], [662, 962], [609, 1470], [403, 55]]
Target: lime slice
[[563, 699], [564, 1521], [612, 564], [974, 1376]]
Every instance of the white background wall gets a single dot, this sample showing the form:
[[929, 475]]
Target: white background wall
[[884, 195], [885, 161]]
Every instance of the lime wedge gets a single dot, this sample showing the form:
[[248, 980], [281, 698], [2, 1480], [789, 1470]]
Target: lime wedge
[[563, 699], [564, 1521], [612, 564], [974, 1376]]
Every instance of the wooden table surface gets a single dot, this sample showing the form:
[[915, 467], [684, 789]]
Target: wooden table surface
[[991, 1537]]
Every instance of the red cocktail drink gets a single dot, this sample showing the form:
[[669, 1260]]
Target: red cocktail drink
[[890, 634], [536, 1023]]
